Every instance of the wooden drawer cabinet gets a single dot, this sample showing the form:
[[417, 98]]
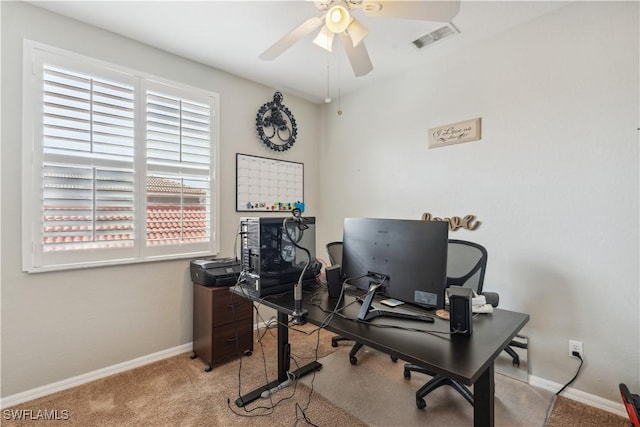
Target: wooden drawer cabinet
[[222, 325]]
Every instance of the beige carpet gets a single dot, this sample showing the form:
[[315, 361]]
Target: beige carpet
[[378, 394], [385, 397], [569, 413], [177, 392]]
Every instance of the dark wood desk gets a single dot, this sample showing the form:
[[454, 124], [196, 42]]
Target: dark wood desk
[[467, 359]]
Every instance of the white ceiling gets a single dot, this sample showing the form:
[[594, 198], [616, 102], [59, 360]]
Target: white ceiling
[[230, 35]]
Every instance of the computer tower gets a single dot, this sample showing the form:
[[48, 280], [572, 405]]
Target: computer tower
[[272, 257]]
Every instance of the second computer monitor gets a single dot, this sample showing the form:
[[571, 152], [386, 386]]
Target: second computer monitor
[[411, 256]]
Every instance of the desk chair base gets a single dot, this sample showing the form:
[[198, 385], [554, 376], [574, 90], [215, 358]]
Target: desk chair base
[[336, 339], [436, 382], [511, 352], [352, 354], [356, 347], [514, 356]]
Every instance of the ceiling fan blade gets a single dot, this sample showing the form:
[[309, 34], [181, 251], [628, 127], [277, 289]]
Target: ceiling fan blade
[[358, 56], [291, 38], [356, 31], [324, 39], [438, 11]]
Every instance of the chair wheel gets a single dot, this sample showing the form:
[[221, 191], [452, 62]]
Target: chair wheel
[[248, 352], [420, 403], [193, 355], [394, 359], [516, 364], [353, 360], [333, 343], [407, 374]]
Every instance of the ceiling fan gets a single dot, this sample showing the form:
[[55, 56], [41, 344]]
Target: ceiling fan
[[337, 19]]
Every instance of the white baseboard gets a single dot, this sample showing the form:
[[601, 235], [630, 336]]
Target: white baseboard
[[100, 373], [92, 376], [580, 396], [570, 393]]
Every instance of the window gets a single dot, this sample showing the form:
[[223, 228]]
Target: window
[[118, 168]]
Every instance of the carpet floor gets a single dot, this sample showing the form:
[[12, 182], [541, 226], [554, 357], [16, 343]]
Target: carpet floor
[[376, 392], [177, 392]]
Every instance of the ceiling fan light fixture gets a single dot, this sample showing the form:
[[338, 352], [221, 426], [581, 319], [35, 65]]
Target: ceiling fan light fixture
[[324, 39], [338, 19], [357, 32]]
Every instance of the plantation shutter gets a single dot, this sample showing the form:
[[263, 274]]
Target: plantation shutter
[[178, 157], [88, 161], [118, 167]]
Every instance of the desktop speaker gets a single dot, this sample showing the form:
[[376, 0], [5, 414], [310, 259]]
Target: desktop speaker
[[334, 282], [460, 310]]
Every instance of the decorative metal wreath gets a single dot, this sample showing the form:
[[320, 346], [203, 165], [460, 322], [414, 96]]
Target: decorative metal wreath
[[275, 125]]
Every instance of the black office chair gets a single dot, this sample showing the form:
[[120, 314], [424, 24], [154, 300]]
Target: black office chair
[[334, 249], [466, 265]]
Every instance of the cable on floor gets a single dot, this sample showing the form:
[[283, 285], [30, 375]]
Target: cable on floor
[[555, 396]]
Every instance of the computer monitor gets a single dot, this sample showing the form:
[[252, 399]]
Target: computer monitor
[[408, 256]]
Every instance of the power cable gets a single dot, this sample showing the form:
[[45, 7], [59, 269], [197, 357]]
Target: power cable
[[576, 354], [555, 396]]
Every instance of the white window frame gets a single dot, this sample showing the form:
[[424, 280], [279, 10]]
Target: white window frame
[[34, 258]]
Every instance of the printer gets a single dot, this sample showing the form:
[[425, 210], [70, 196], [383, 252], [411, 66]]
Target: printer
[[215, 272]]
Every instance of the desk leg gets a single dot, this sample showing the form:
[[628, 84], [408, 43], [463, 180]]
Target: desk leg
[[483, 399], [284, 349], [284, 354]]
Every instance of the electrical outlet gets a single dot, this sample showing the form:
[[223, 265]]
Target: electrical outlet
[[575, 347]]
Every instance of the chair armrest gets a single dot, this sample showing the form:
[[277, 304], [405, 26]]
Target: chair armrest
[[492, 298]]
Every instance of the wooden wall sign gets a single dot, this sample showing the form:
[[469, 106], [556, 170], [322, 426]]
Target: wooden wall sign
[[468, 222], [455, 133]]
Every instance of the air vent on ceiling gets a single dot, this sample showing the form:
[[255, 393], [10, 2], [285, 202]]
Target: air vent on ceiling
[[436, 35]]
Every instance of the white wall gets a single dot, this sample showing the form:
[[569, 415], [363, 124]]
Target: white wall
[[554, 179], [59, 325]]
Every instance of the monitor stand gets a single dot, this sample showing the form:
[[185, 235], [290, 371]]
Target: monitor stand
[[366, 313]]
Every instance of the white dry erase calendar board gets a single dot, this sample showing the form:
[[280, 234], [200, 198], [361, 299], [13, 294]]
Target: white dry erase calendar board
[[268, 185]]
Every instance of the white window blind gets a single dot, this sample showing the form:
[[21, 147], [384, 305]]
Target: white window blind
[[88, 153], [86, 116], [118, 168], [178, 135]]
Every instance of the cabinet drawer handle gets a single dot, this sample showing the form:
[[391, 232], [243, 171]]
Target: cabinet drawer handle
[[232, 339], [233, 305]]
